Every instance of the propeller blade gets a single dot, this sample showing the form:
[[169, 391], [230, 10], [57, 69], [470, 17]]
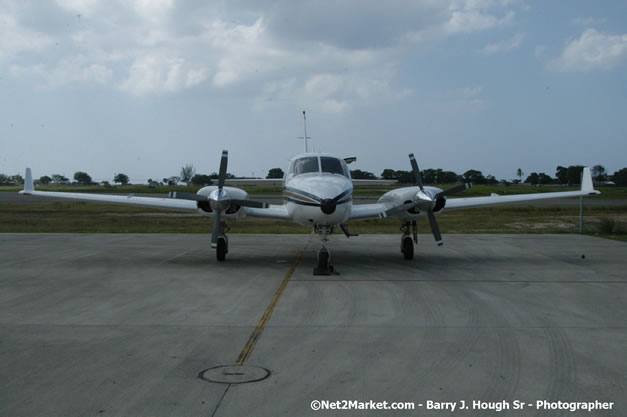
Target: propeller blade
[[435, 229], [249, 203], [182, 195], [454, 190], [215, 233], [417, 175], [399, 209], [222, 173]]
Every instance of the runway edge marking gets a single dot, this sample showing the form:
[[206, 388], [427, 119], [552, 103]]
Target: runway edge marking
[[244, 355]]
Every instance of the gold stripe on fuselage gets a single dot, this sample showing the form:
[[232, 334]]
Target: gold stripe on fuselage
[[299, 197]]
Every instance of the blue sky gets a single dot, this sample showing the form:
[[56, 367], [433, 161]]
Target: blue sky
[[143, 87]]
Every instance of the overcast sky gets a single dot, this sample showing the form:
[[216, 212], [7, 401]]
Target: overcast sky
[[143, 87]]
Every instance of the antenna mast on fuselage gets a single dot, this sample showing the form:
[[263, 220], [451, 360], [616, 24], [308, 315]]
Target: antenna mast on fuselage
[[304, 138]]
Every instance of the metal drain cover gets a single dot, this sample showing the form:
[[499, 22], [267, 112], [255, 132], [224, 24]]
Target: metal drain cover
[[234, 374]]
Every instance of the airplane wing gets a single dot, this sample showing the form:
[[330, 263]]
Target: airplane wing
[[378, 210], [368, 211], [461, 203], [164, 203], [274, 211]]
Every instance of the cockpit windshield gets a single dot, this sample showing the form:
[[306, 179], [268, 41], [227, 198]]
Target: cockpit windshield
[[326, 164], [305, 165], [332, 165]]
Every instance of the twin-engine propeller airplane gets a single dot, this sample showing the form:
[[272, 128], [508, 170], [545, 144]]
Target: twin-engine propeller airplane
[[317, 191]]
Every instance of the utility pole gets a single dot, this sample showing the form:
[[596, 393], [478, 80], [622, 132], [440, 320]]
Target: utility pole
[[305, 137], [581, 215], [581, 208]]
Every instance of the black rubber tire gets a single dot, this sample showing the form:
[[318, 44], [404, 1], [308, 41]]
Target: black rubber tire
[[221, 249], [323, 259], [408, 248]]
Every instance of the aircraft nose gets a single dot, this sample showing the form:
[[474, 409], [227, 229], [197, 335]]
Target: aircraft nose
[[328, 206]]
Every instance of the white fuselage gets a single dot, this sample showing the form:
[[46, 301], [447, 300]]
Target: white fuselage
[[321, 196], [304, 193]]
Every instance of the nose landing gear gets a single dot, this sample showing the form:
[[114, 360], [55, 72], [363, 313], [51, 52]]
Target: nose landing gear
[[324, 266], [408, 240]]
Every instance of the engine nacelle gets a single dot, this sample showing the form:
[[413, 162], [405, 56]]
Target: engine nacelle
[[232, 211], [407, 195], [204, 206]]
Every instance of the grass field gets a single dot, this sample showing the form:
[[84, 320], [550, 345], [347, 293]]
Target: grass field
[[81, 217]]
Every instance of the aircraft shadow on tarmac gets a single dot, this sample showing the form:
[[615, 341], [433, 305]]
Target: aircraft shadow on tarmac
[[349, 260]]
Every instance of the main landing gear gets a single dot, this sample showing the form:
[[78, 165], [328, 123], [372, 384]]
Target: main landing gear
[[222, 247], [410, 236], [324, 266]]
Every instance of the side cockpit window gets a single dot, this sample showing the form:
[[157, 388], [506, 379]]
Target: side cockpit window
[[332, 165]]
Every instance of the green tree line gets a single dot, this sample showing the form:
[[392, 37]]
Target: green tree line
[[570, 175]]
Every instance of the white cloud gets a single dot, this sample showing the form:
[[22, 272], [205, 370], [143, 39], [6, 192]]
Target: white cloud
[[467, 99], [156, 73], [332, 106], [79, 6], [66, 71], [16, 38], [334, 93], [467, 21], [592, 51], [164, 46], [504, 46], [152, 10], [324, 85], [242, 50], [471, 91], [71, 71]]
